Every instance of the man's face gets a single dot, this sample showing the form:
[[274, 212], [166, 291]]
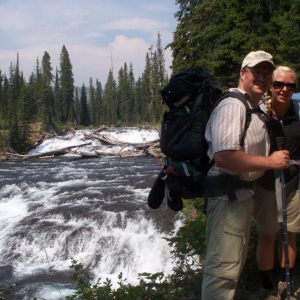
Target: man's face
[[257, 80]]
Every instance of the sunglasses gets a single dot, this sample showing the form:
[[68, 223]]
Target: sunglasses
[[259, 74], [279, 85]]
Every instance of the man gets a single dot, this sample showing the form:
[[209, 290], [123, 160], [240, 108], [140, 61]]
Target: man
[[239, 160]]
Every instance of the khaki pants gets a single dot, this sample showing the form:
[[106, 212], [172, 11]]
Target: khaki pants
[[227, 238]]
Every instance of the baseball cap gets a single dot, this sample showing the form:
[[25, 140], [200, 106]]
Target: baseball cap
[[256, 57]]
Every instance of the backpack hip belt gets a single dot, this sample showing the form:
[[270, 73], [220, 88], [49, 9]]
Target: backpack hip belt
[[225, 184]]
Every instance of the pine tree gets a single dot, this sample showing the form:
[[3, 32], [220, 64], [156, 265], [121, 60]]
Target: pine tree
[[66, 87], [16, 80], [92, 102], [31, 88], [131, 91], [57, 99], [99, 103], [138, 101], [123, 96], [38, 92], [147, 91], [286, 27], [14, 135], [156, 87], [42, 94], [84, 112], [161, 62], [110, 100], [47, 68], [48, 109], [13, 95], [77, 106], [24, 117]]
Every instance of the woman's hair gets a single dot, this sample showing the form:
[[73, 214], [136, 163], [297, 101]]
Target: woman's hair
[[268, 95], [284, 69], [268, 102]]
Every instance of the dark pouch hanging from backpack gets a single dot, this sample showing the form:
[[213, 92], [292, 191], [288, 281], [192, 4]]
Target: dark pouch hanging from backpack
[[184, 179], [157, 192]]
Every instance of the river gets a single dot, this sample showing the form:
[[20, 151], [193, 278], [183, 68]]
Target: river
[[93, 210]]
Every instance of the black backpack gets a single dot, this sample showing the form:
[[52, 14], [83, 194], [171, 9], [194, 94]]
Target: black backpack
[[190, 96]]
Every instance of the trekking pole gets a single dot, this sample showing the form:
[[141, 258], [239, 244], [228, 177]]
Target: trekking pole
[[280, 145]]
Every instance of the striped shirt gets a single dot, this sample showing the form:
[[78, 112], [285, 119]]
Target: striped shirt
[[224, 131]]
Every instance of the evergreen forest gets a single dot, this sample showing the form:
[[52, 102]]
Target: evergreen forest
[[215, 35], [51, 99]]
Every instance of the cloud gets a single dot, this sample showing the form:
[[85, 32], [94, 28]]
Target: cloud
[[136, 24], [98, 61], [162, 7], [97, 34], [135, 52], [14, 19], [93, 35]]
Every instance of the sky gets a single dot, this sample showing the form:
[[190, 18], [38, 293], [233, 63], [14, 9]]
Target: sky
[[98, 35]]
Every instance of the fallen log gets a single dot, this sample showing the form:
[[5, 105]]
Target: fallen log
[[101, 128], [148, 144], [85, 154], [131, 154], [100, 153], [155, 152], [12, 155], [55, 152], [106, 139]]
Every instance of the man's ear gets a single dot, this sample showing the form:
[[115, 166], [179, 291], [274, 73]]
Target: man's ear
[[242, 73]]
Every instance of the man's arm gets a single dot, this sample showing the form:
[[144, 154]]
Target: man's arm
[[239, 161]]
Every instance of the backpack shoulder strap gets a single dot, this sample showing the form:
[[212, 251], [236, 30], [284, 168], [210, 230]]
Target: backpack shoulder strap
[[296, 108], [249, 112], [293, 113]]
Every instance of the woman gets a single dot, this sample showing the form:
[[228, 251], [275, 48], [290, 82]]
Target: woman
[[283, 121]]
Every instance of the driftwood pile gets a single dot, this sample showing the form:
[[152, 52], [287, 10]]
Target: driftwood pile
[[144, 149]]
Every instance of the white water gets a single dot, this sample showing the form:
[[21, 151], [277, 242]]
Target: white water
[[129, 135], [94, 211]]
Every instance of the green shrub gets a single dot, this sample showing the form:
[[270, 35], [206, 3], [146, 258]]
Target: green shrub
[[188, 254], [3, 293], [152, 286]]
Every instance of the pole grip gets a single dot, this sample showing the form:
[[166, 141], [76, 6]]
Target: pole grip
[[280, 141]]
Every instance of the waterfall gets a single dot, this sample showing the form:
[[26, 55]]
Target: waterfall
[[94, 211]]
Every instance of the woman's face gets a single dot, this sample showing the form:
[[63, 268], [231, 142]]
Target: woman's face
[[283, 86]]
